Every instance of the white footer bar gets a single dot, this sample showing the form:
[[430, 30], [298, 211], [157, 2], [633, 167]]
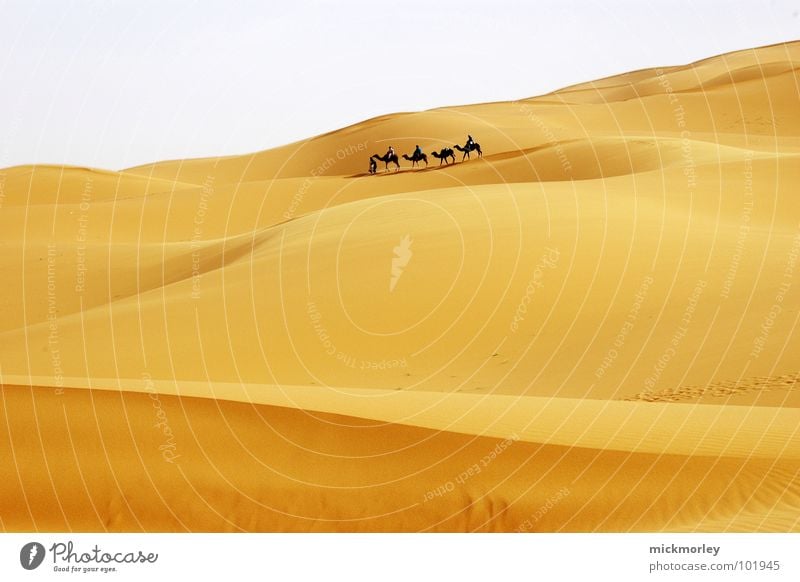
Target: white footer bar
[[401, 557]]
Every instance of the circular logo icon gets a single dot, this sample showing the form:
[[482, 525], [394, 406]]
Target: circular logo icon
[[31, 555]]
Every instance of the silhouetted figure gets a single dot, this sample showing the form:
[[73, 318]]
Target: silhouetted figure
[[444, 155], [416, 158], [387, 159], [469, 148]]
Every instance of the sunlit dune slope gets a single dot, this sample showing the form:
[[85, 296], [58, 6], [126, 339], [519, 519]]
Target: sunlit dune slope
[[614, 284]]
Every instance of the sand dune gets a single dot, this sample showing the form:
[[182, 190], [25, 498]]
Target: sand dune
[[590, 328]]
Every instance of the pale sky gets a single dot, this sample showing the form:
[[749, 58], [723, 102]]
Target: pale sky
[[113, 84]]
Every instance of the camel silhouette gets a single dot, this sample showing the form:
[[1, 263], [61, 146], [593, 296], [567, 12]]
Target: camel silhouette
[[415, 159], [444, 154], [387, 159], [474, 147]]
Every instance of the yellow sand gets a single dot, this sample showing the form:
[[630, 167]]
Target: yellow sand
[[590, 328]]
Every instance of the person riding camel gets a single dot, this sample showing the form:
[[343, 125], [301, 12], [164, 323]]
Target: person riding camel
[[417, 153], [390, 153], [470, 143]]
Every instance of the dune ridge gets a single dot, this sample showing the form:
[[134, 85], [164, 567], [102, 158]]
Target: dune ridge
[[705, 429]]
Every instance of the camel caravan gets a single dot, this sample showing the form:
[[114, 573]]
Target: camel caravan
[[444, 155]]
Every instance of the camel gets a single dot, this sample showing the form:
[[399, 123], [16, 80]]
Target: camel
[[415, 160], [444, 154], [474, 147], [387, 159]]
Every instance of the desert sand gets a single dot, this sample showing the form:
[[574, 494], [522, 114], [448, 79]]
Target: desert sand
[[590, 328]]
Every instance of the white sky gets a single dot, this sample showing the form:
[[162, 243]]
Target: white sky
[[118, 83]]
